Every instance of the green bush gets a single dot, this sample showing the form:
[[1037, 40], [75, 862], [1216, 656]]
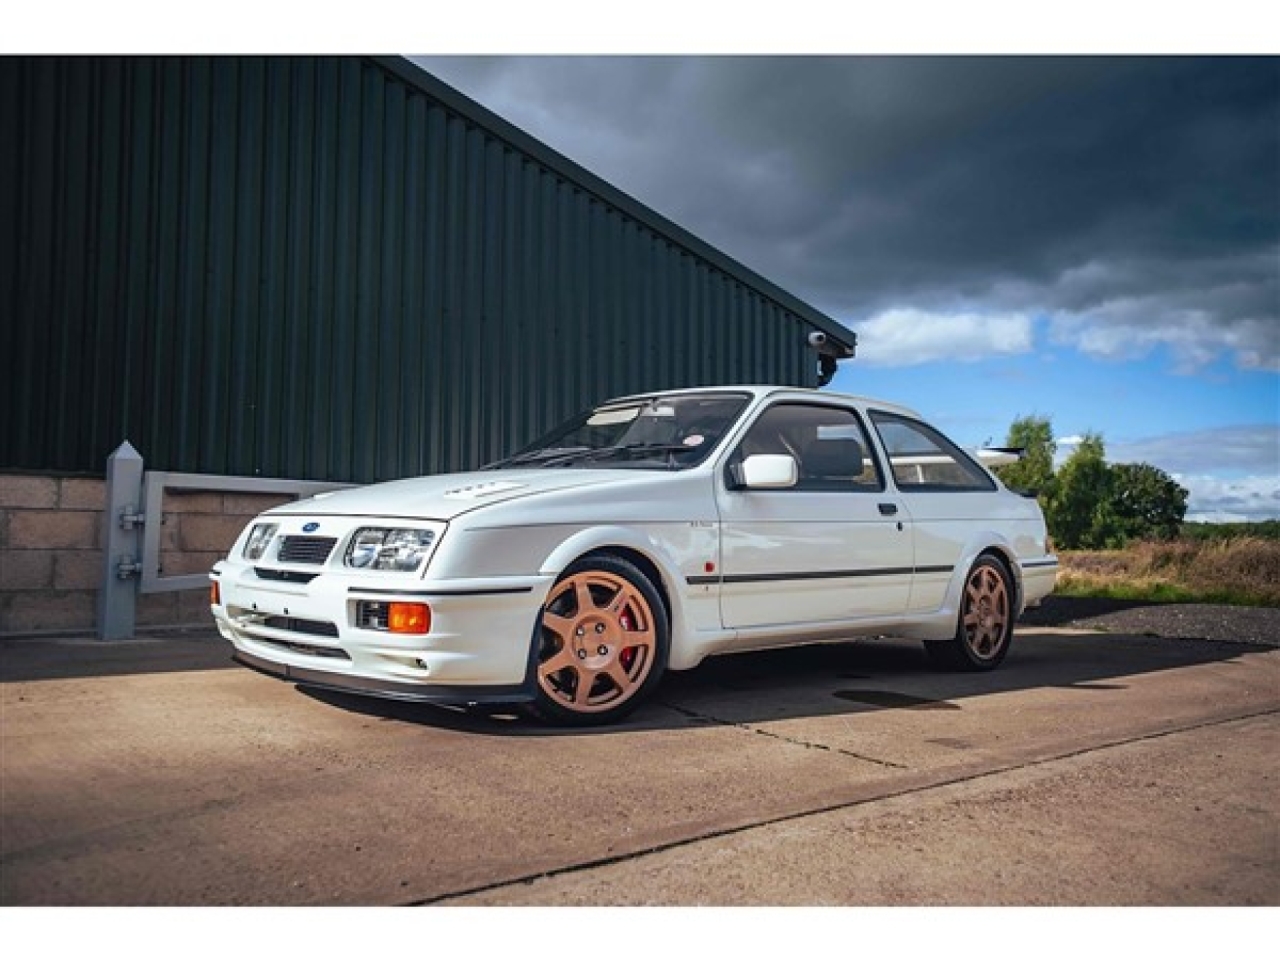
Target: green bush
[[1088, 503]]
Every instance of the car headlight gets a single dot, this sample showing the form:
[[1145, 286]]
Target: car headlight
[[259, 539], [383, 548]]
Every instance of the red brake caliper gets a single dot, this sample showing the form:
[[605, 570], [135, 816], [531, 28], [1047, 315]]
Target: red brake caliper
[[627, 656]]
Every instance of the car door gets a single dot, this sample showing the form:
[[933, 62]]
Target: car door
[[950, 499], [835, 546]]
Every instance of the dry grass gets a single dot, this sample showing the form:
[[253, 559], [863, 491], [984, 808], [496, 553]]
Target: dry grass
[[1242, 570]]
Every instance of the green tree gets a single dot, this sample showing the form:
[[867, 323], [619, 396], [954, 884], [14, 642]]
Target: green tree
[[1079, 512], [1089, 504], [1034, 472], [1146, 501]]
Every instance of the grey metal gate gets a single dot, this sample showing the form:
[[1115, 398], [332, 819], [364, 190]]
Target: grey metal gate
[[131, 532]]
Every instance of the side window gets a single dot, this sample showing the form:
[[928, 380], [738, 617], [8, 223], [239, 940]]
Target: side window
[[829, 444], [923, 459]]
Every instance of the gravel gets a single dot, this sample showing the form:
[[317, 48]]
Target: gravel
[[1182, 621]]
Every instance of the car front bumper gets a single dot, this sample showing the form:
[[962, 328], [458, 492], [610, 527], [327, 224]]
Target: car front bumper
[[456, 694], [479, 647]]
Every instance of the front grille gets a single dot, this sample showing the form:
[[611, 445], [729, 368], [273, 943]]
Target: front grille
[[317, 628], [372, 615], [310, 650], [288, 576], [312, 550]]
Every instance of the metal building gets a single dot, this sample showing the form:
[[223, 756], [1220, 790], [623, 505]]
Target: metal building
[[332, 268]]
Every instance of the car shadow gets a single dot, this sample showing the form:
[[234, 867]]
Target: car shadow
[[1058, 611], [836, 679]]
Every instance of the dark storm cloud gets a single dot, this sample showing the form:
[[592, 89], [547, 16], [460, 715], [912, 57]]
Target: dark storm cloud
[[1130, 200]]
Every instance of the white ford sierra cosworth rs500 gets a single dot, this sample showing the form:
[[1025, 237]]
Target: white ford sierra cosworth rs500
[[641, 536]]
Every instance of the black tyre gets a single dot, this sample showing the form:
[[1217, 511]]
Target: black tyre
[[603, 641], [984, 629]]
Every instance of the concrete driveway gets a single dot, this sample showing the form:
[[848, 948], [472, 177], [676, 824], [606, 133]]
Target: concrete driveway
[[1091, 769]]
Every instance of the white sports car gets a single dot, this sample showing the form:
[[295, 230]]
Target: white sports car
[[641, 536]]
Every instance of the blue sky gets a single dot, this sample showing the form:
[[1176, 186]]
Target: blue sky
[[1092, 240], [1214, 429], [1124, 400]]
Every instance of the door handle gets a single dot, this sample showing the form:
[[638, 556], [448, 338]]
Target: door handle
[[888, 509]]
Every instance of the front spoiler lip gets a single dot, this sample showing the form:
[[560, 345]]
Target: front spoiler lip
[[454, 695]]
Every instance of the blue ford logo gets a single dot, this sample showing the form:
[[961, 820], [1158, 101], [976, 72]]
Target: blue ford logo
[[310, 527]]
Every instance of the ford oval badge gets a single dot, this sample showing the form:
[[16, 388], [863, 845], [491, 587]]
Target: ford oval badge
[[310, 527]]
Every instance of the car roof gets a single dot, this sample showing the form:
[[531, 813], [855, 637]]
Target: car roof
[[790, 393]]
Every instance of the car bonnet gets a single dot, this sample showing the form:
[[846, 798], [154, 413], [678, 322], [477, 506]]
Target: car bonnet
[[445, 496]]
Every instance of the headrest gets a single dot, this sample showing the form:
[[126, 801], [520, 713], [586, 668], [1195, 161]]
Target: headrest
[[833, 458]]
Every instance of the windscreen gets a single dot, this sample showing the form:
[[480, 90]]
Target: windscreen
[[664, 433]]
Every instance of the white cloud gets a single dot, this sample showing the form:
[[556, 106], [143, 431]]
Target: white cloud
[[900, 338], [1199, 311], [1214, 499], [1241, 450], [1128, 330]]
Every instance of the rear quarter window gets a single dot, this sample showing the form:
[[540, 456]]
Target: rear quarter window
[[922, 459]]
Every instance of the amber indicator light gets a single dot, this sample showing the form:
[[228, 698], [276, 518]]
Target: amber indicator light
[[409, 618]]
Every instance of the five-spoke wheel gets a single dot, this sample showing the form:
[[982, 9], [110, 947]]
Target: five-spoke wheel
[[985, 626], [602, 642]]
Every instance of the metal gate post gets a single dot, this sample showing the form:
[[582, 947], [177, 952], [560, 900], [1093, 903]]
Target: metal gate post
[[121, 545]]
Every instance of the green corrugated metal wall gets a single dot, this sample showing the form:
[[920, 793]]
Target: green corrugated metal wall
[[326, 268]]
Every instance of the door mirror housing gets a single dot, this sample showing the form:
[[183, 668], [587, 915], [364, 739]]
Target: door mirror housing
[[768, 471]]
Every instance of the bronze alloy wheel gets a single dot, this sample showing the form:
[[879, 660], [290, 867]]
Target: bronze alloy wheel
[[602, 640], [985, 627], [985, 622]]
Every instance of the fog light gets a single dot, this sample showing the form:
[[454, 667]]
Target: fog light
[[409, 618]]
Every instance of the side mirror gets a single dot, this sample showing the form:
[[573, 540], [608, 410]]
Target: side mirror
[[768, 471]]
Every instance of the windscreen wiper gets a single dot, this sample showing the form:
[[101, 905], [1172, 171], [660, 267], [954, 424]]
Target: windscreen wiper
[[621, 450], [565, 456], [541, 457]]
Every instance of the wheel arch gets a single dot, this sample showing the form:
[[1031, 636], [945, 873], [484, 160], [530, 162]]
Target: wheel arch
[[985, 544], [1004, 555], [647, 556], [642, 563]]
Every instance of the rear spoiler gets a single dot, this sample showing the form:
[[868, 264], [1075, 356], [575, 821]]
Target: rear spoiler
[[998, 456]]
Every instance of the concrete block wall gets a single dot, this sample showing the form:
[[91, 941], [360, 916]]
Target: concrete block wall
[[51, 532]]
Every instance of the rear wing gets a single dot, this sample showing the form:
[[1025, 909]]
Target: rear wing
[[998, 456]]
